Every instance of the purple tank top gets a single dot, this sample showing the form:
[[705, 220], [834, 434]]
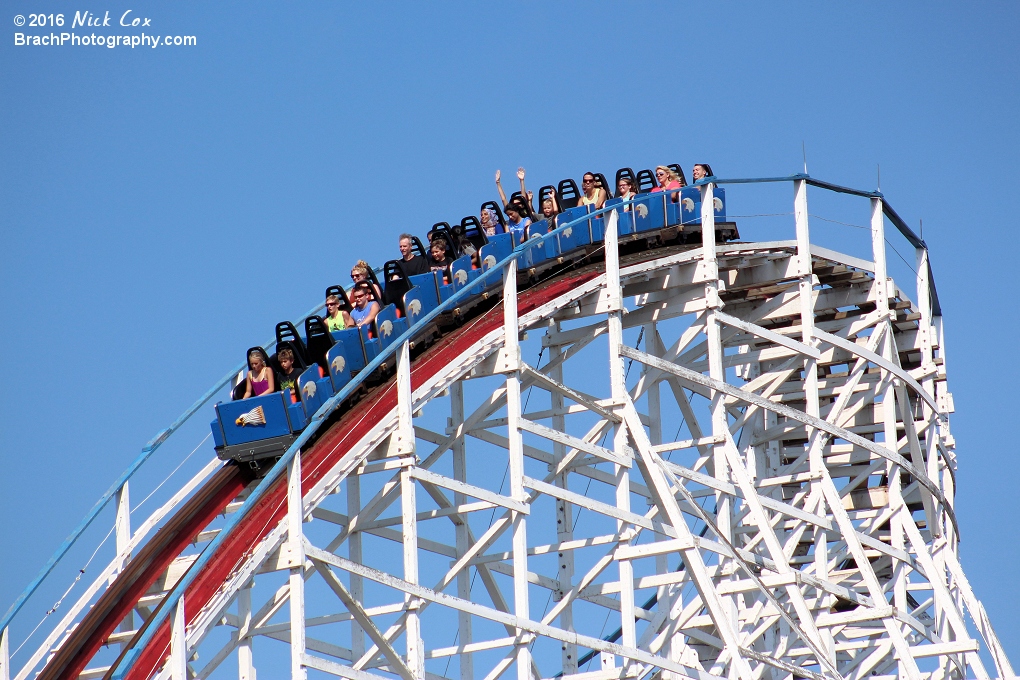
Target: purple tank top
[[259, 387]]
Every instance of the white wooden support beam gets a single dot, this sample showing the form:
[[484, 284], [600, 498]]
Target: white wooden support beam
[[358, 612], [879, 254], [463, 538], [786, 411], [576, 443], [713, 333], [354, 549], [891, 438], [622, 452], [5, 654], [405, 427], [666, 594], [296, 562], [178, 644], [693, 561], [555, 386], [409, 516], [122, 531], [766, 334], [936, 578], [977, 614], [123, 526], [245, 659], [511, 366], [564, 510], [928, 410], [525, 625], [815, 440], [464, 488]]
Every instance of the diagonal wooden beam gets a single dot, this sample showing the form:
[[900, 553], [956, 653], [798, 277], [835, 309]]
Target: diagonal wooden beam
[[364, 620]]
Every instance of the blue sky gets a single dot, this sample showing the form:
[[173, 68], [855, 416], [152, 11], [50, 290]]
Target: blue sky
[[162, 208]]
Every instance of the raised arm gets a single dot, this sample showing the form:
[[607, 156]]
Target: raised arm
[[520, 176], [502, 194], [556, 201]]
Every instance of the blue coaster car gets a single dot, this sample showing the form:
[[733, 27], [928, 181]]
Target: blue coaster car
[[370, 340], [340, 371], [624, 219], [720, 204], [462, 275], [689, 208], [257, 427], [422, 299], [496, 250], [536, 255], [551, 250], [388, 327], [315, 388], [576, 236], [426, 290], [649, 212]]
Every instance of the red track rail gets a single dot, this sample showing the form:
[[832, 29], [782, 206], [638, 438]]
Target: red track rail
[[143, 570], [168, 543]]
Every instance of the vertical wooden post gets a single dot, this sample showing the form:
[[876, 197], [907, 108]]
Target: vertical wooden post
[[890, 435], [653, 346], [929, 416], [296, 563], [123, 525], [5, 654], [618, 381], [409, 514], [511, 365], [245, 659], [564, 515], [459, 448], [178, 644], [816, 461], [122, 529], [709, 275], [354, 551]]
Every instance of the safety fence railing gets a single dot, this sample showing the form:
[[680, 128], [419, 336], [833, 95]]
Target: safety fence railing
[[117, 493]]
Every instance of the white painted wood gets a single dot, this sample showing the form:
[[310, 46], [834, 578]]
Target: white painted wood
[[178, 662], [408, 510], [751, 601], [489, 613], [564, 510], [468, 490], [105, 577], [123, 524], [459, 449], [405, 406], [512, 362], [296, 560], [622, 452], [5, 654], [245, 658], [354, 550], [358, 612]]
